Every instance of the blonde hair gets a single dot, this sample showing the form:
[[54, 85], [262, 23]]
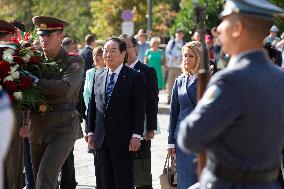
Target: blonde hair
[[155, 40], [196, 48]]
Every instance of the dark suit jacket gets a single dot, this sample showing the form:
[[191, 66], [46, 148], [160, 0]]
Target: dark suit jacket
[[125, 112], [152, 94], [87, 54]]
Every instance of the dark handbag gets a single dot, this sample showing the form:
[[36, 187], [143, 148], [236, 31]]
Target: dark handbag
[[142, 170], [168, 177]]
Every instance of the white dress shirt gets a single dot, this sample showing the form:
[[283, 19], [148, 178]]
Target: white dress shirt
[[133, 64]]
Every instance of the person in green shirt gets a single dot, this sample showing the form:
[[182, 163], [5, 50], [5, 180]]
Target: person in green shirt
[[154, 57]]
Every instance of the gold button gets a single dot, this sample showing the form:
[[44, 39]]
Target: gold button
[[43, 26]]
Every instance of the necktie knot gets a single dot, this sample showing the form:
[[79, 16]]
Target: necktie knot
[[111, 77]]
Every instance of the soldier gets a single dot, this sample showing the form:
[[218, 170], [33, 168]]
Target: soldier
[[236, 121], [53, 133], [7, 30], [13, 166]]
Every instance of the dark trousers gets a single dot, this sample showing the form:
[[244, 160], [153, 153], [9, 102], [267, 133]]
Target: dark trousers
[[146, 154], [115, 167], [97, 172], [29, 176], [68, 180]]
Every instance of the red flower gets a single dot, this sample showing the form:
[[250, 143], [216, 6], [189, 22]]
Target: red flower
[[5, 69], [27, 36], [15, 40], [25, 83], [18, 59], [10, 86], [34, 60]]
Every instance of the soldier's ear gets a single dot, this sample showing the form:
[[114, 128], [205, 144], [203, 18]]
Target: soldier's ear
[[61, 35], [238, 29]]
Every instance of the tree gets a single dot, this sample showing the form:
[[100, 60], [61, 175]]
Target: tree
[[174, 4], [17, 9], [162, 19], [186, 18], [280, 19], [107, 16], [76, 12]]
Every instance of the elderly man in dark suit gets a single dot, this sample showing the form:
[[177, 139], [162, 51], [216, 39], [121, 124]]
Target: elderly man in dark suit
[[152, 99], [236, 121], [116, 124]]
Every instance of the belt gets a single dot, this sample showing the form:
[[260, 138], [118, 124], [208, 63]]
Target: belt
[[61, 107], [244, 177]]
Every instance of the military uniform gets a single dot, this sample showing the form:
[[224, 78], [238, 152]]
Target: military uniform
[[53, 133], [13, 166], [240, 119]]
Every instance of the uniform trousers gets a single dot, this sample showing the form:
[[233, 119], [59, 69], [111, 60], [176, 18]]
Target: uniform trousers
[[173, 73], [68, 180], [146, 154], [48, 159], [209, 180], [115, 167]]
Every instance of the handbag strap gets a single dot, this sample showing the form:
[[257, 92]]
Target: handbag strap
[[167, 162]]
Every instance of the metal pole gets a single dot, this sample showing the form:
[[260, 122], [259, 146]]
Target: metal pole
[[149, 15]]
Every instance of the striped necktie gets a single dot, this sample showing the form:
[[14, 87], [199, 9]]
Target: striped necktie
[[110, 87]]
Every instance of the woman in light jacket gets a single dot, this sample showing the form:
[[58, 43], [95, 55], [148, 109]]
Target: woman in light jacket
[[182, 103], [89, 80], [88, 87]]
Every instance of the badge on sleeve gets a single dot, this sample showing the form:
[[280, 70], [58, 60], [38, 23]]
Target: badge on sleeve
[[75, 66], [211, 94]]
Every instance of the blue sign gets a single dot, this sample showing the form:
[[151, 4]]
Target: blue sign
[[126, 15]]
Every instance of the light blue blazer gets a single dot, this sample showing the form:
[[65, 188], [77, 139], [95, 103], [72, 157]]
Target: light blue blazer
[[182, 103], [88, 86]]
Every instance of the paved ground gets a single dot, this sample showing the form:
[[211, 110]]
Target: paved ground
[[85, 172]]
